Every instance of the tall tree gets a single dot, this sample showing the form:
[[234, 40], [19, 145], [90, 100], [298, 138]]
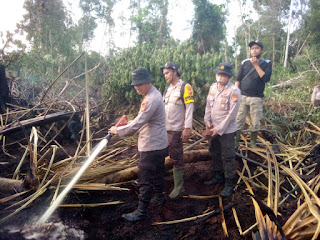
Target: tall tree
[[274, 18], [313, 23], [150, 22], [208, 25], [45, 24], [268, 27], [97, 10]]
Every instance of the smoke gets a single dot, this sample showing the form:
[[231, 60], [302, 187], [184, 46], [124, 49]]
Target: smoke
[[52, 231]]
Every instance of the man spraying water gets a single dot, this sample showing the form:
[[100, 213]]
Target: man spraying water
[[152, 142]]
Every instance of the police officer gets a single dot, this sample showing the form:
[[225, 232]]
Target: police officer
[[179, 101], [222, 106], [251, 79], [152, 141]]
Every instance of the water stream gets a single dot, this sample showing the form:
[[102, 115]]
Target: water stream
[[62, 195]]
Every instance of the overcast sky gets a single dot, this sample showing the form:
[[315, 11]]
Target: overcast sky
[[180, 14]]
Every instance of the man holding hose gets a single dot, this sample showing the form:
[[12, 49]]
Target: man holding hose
[[152, 142]]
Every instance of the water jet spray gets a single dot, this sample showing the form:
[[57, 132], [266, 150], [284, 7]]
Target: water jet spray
[[123, 121]]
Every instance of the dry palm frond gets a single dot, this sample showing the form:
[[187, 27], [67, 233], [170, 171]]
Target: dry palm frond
[[200, 197], [6, 199], [91, 204], [16, 172], [98, 186], [54, 150], [185, 219], [259, 216], [224, 225], [239, 226], [307, 212]]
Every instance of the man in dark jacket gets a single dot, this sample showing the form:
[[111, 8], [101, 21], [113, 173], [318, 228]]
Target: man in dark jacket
[[251, 79]]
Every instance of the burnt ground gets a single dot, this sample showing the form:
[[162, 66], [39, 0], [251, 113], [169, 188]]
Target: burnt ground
[[105, 222]]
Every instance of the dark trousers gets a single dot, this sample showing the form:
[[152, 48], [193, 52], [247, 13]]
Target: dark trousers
[[2, 106], [222, 150], [151, 174], [176, 149]]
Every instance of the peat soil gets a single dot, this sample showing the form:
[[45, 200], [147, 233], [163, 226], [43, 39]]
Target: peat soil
[[105, 222]]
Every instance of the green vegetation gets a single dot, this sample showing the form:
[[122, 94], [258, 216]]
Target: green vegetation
[[195, 68]]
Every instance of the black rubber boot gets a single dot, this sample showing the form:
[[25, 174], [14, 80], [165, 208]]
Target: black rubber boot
[[228, 188], [139, 214], [218, 178], [158, 199]]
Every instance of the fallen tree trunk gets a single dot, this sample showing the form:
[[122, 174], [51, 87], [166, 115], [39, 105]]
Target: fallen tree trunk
[[132, 172]]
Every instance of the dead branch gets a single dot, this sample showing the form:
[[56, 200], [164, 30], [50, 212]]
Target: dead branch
[[292, 80], [42, 120]]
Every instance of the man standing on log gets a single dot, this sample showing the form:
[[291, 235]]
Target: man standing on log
[[222, 106], [152, 142], [178, 99], [251, 79]]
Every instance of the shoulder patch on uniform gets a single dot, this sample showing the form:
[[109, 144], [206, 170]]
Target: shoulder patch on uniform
[[235, 97], [188, 94], [143, 105]]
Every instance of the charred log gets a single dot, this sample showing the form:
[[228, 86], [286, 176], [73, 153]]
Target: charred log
[[8, 185], [4, 90]]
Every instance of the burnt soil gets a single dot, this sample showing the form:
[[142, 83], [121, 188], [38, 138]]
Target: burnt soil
[[105, 222]]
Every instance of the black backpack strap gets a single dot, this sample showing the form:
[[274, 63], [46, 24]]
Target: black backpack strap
[[183, 86]]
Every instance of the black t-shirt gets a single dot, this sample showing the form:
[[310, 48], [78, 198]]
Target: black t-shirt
[[252, 85]]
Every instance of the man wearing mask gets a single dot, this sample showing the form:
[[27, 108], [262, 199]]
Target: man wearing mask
[[222, 106], [251, 79]]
